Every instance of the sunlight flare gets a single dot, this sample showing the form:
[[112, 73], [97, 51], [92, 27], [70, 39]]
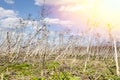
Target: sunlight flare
[[100, 12]]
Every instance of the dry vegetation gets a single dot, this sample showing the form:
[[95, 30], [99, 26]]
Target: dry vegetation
[[42, 56]]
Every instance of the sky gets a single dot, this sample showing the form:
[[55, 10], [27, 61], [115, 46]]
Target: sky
[[77, 15]]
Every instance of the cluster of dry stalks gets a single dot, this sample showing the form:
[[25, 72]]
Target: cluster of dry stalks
[[40, 46]]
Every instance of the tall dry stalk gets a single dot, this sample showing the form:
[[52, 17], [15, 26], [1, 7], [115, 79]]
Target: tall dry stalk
[[87, 53], [8, 43], [44, 35], [112, 39], [8, 46], [116, 57]]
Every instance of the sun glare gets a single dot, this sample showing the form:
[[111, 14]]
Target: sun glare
[[107, 11], [101, 12]]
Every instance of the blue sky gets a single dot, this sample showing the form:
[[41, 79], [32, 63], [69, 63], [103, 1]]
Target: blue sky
[[20, 9], [23, 7], [73, 14], [77, 15]]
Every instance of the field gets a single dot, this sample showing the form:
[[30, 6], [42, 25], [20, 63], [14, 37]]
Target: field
[[66, 40], [60, 64], [62, 56]]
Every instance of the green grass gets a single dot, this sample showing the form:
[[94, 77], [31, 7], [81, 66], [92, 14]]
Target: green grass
[[60, 70]]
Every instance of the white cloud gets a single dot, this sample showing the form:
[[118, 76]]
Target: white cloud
[[8, 18], [60, 2], [7, 13], [9, 1], [57, 2], [57, 21], [73, 8], [9, 22]]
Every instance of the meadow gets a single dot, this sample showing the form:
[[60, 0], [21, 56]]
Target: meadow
[[40, 57], [43, 54]]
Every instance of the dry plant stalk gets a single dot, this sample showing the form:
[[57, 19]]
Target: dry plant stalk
[[2, 76], [116, 58], [112, 39], [8, 43]]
